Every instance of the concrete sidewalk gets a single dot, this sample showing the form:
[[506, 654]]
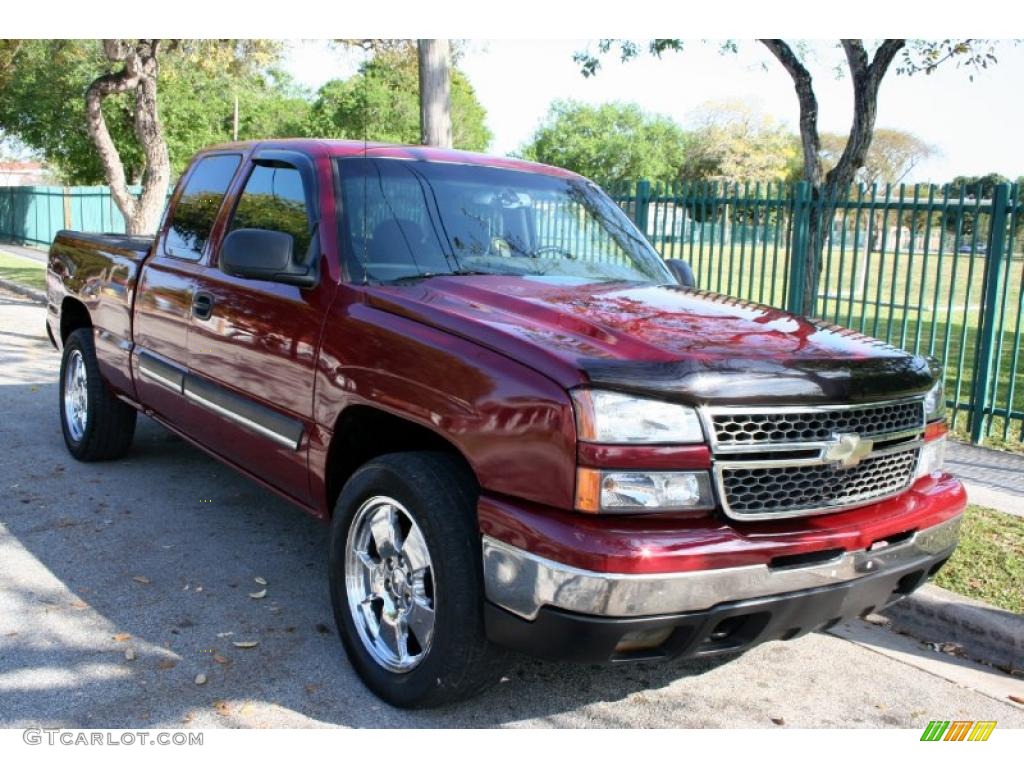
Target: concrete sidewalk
[[36, 254], [993, 478]]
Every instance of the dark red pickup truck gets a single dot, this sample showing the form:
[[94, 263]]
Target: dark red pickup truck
[[526, 430]]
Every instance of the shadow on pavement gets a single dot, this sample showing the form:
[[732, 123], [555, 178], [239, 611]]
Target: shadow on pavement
[[94, 554]]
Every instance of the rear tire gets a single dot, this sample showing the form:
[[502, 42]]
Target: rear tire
[[428, 580], [97, 426]]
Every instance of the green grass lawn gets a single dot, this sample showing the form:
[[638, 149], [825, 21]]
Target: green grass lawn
[[989, 563], [23, 271]]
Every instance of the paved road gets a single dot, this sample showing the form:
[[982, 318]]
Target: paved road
[[157, 553]]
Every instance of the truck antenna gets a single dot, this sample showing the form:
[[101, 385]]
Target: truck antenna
[[366, 143]]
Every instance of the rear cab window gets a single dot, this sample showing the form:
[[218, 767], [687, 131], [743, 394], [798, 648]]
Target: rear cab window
[[197, 207]]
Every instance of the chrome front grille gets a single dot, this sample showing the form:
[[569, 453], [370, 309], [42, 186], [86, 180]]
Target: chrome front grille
[[783, 462], [780, 490], [738, 429]]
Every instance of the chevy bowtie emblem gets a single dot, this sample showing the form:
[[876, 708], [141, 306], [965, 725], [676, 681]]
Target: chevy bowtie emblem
[[847, 449]]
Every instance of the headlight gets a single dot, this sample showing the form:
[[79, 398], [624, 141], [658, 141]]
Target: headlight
[[935, 402], [612, 417], [600, 490]]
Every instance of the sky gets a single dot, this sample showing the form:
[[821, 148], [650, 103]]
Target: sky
[[975, 126]]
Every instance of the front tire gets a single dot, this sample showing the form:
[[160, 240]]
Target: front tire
[[406, 581], [96, 425]]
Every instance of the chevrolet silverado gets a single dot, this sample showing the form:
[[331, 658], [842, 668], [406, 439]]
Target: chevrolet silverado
[[525, 429]]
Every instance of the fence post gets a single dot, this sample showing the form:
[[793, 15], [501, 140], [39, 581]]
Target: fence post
[[992, 289], [68, 223], [799, 247], [643, 202]]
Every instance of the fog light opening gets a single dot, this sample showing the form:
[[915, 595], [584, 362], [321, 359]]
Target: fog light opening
[[642, 640]]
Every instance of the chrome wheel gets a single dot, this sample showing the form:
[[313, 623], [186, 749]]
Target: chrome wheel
[[76, 395], [389, 582]]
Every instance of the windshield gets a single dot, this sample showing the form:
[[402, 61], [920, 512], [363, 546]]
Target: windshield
[[404, 219]]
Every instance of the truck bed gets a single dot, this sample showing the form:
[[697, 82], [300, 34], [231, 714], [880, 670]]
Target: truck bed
[[100, 272]]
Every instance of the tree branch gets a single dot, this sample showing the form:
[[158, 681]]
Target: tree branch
[[802, 82], [100, 88], [139, 74], [866, 76]]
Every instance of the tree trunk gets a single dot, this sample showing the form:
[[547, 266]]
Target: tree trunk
[[866, 76], [139, 75], [435, 93]]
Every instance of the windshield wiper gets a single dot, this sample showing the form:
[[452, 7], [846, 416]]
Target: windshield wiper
[[455, 273]]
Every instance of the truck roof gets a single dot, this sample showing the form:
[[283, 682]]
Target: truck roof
[[351, 148]]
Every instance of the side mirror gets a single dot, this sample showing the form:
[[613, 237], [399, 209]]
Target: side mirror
[[265, 254], [682, 272]]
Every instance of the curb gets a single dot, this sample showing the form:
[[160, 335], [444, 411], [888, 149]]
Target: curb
[[986, 633], [32, 293]]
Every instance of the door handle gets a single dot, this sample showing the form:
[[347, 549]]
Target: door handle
[[202, 305]]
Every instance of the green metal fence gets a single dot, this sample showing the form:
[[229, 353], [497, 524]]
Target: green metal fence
[[927, 269], [34, 215], [931, 270]]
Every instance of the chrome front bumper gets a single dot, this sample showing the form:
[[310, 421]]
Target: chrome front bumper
[[522, 583]]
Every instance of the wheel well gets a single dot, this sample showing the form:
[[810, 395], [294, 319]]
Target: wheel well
[[363, 433], [73, 315]]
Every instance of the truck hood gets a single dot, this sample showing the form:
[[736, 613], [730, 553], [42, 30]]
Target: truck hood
[[690, 345]]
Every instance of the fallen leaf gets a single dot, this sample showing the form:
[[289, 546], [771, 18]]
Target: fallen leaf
[[221, 659], [778, 721], [245, 643], [78, 605], [140, 579], [323, 629], [1016, 699], [311, 688], [129, 654], [166, 664], [260, 580], [120, 637], [258, 595], [200, 679], [952, 649], [222, 707]]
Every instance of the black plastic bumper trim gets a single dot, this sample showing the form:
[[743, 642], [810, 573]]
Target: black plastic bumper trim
[[727, 628]]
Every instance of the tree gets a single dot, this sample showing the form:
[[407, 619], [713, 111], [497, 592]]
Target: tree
[[435, 92], [733, 142], [970, 188], [381, 103], [892, 155], [136, 76], [123, 135], [610, 143], [866, 71]]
